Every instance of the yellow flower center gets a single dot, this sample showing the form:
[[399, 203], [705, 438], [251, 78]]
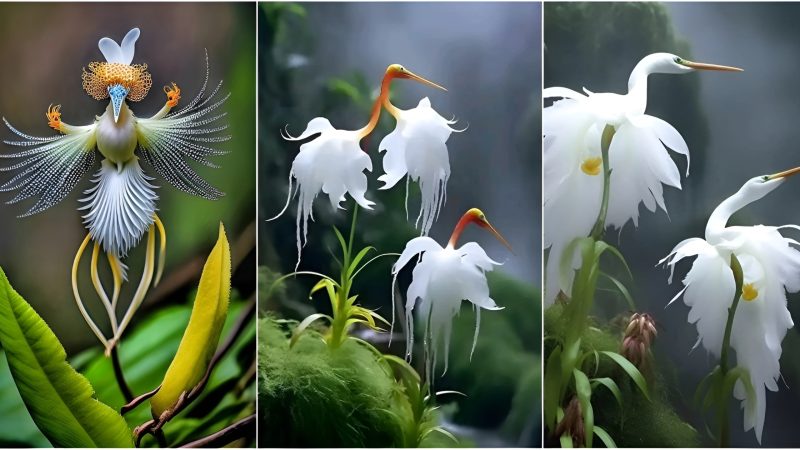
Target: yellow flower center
[[592, 166], [749, 292]]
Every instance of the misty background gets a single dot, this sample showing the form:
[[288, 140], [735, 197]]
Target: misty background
[[737, 126], [328, 59]]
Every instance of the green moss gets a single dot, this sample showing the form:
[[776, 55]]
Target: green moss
[[311, 396]]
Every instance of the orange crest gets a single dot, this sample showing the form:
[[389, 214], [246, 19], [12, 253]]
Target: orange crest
[[135, 78]]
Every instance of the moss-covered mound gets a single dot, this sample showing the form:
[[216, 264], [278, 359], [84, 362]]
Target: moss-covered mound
[[311, 396]]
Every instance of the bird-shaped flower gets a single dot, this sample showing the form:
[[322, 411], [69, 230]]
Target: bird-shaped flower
[[417, 150], [121, 205], [333, 162], [770, 267], [443, 278], [638, 159]]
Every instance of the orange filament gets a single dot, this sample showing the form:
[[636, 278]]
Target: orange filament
[[592, 166], [54, 117], [136, 79], [749, 292]]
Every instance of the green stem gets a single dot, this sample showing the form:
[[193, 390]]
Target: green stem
[[338, 331], [724, 427], [605, 144]]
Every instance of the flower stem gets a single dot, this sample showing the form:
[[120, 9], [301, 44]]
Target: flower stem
[[119, 375], [605, 143], [724, 426]]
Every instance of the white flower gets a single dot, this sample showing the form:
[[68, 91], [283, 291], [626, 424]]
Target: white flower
[[770, 267], [638, 158], [332, 163], [442, 279], [417, 148]]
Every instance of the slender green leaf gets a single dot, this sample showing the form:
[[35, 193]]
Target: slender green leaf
[[601, 247], [631, 370], [565, 440], [354, 263], [340, 238], [701, 388], [622, 290], [61, 401], [565, 266], [583, 389], [611, 385], [605, 437], [305, 323], [552, 387]]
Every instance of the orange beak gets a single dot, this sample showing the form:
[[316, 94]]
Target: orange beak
[[412, 76], [704, 66], [785, 173], [485, 224]]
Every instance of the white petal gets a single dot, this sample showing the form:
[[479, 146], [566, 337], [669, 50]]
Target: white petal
[[121, 206], [128, 45], [110, 50], [413, 248], [670, 136], [316, 125], [561, 92]]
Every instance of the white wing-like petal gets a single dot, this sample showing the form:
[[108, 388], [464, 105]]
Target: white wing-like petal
[[571, 197], [417, 148], [120, 206], [639, 165], [191, 133], [50, 167]]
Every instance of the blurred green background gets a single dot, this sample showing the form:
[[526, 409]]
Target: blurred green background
[[46, 45], [327, 59]]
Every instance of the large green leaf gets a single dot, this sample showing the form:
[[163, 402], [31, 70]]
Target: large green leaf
[[16, 427], [59, 399]]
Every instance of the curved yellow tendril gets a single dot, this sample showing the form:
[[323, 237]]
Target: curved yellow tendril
[[162, 251], [76, 294]]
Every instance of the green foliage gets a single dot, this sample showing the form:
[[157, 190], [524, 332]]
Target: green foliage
[[311, 395], [17, 429], [61, 402], [147, 352]]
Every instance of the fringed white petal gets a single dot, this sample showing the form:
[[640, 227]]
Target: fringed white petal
[[443, 278], [121, 206], [417, 148], [332, 163], [771, 266]]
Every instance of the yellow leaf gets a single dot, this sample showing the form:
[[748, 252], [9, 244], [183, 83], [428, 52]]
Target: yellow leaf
[[199, 342]]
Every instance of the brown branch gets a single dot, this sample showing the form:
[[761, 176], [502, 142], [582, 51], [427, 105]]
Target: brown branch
[[138, 400], [237, 430]]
